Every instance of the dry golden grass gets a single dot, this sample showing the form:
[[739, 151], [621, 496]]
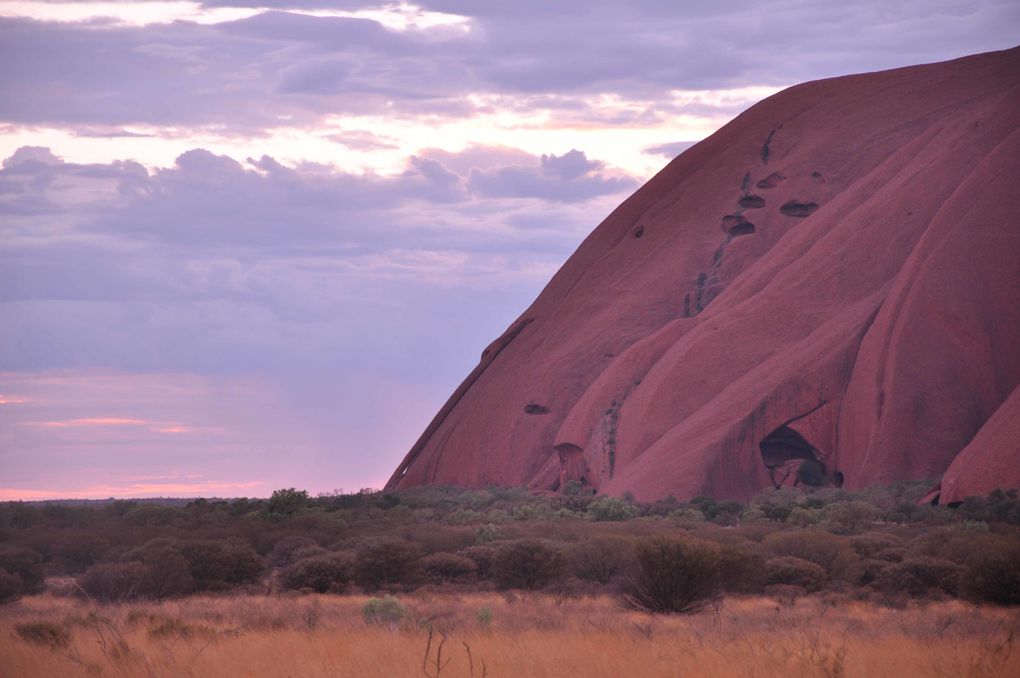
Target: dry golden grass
[[531, 635]]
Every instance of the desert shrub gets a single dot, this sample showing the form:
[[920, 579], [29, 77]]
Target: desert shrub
[[867, 570], [793, 571], [386, 562], [488, 533], [440, 538], [674, 576], [722, 513], [849, 517], [283, 551], [601, 559], [740, 567], [532, 511], [25, 563], [802, 516], [167, 574], [462, 517], [786, 594], [387, 610], [484, 617], [483, 557], [877, 545], [308, 552], [113, 582], [320, 573], [447, 567], [611, 508], [993, 576], [527, 564], [778, 504], [920, 576], [834, 554], [10, 586], [44, 633], [687, 518], [219, 565], [154, 515], [171, 627], [73, 553]]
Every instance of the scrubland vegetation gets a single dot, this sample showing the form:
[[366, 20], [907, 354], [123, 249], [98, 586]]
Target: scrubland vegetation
[[503, 582]]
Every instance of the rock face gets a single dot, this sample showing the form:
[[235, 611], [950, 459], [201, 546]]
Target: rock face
[[853, 320]]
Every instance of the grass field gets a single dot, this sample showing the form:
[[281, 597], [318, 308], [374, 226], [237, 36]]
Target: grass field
[[497, 635]]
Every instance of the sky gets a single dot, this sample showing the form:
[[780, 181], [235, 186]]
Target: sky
[[253, 246]]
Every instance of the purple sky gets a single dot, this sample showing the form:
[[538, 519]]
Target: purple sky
[[244, 248]]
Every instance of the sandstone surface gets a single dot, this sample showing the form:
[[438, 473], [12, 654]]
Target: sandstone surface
[[826, 288]]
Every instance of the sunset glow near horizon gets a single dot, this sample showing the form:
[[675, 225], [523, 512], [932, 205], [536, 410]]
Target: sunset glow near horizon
[[246, 246]]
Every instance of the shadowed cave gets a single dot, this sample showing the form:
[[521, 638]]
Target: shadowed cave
[[785, 445]]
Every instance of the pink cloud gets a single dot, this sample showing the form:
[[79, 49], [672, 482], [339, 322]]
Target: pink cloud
[[130, 490], [154, 426]]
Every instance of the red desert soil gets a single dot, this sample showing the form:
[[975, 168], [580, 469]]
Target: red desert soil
[[834, 275]]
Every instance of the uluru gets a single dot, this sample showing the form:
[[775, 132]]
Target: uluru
[[825, 291]]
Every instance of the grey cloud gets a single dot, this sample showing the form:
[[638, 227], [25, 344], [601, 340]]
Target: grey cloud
[[221, 266], [278, 65], [570, 176], [31, 154]]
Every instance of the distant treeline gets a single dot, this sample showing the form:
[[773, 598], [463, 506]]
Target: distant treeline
[[667, 555]]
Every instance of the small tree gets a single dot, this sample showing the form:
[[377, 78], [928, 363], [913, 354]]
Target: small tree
[[288, 502], [674, 576]]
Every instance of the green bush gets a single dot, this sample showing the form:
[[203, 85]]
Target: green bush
[[387, 610], [674, 576], [527, 564], [320, 573], [386, 562], [611, 508]]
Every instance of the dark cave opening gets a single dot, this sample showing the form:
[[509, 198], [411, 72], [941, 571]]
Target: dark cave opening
[[785, 452]]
